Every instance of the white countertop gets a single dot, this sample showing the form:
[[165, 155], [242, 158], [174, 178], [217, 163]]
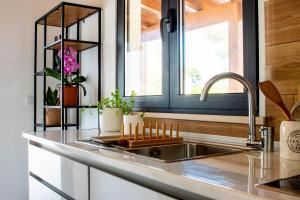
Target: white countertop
[[232, 176]]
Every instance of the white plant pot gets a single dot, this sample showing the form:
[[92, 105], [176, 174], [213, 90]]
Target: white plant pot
[[110, 120], [133, 119], [290, 140]]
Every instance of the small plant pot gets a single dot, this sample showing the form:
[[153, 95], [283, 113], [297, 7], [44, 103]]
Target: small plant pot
[[53, 116], [133, 119], [110, 120], [70, 95]]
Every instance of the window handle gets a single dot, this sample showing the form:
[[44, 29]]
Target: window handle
[[162, 21], [170, 21]]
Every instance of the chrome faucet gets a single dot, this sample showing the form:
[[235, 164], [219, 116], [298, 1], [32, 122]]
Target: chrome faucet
[[251, 102]]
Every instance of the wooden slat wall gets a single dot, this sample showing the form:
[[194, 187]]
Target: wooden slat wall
[[215, 128], [282, 19]]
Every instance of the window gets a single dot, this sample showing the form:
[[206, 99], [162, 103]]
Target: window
[[213, 35], [168, 50], [143, 54]]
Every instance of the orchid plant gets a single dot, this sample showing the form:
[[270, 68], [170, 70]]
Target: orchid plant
[[70, 66]]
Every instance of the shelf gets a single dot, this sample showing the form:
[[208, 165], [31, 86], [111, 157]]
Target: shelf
[[81, 106], [77, 45], [73, 13], [64, 17], [40, 73], [54, 126]]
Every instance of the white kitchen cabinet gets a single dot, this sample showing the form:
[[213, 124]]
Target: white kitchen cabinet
[[68, 176], [109, 187], [38, 191]]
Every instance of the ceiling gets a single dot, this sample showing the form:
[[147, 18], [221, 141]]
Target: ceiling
[[151, 10]]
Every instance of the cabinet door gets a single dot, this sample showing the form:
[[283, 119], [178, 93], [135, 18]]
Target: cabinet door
[[38, 191], [109, 187], [66, 175]]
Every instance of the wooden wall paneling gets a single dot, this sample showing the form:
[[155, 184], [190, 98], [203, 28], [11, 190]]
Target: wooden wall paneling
[[283, 66], [282, 24], [282, 21], [215, 128], [275, 116]]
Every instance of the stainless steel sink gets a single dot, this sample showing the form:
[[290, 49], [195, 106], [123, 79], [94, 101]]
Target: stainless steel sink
[[290, 185], [179, 152]]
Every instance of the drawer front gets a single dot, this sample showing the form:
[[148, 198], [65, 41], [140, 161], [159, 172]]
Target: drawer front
[[38, 191], [66, 175], [109, 187]]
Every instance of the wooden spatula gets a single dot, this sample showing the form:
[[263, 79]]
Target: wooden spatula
[[272, 93]]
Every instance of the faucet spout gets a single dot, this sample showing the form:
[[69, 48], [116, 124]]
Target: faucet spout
[[251, 99]]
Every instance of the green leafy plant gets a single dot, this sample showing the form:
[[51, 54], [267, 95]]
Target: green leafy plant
[[128, 106], [114, 102], [52, 97], [116, 99], [69, 80]]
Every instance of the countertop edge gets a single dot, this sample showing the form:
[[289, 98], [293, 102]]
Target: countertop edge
[[132, 171]]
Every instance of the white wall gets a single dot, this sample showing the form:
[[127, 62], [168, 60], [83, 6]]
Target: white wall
[[108, 60], [16, 72]]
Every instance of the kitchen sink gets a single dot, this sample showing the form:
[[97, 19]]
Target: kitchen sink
[[169, 153], [179, 152], [290, 185]]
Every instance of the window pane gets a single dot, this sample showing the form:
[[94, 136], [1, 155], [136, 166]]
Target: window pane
[[213, 44], [143, 67]]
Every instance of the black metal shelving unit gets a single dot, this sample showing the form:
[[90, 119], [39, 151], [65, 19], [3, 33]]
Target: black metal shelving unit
[[64, 15]]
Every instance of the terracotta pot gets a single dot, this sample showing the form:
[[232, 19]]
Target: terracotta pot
[[70, 95], [53, 116]]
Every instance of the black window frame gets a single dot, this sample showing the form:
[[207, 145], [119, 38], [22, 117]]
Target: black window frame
[[172, 100]]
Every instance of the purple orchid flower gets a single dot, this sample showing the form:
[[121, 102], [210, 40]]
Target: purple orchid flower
[[70, 60]]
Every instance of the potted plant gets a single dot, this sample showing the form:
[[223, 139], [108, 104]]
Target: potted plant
[[129, 116], [71, 81], [110, 113], [52, 114]]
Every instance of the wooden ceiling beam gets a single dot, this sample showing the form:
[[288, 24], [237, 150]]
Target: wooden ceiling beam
[[153, 4], [216, 14], [151, 13], [152, 10], [190, 8], [215, 2], [196, 4], [149, 18]]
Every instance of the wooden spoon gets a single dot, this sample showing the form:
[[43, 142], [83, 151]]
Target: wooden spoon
[[272, 93]]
